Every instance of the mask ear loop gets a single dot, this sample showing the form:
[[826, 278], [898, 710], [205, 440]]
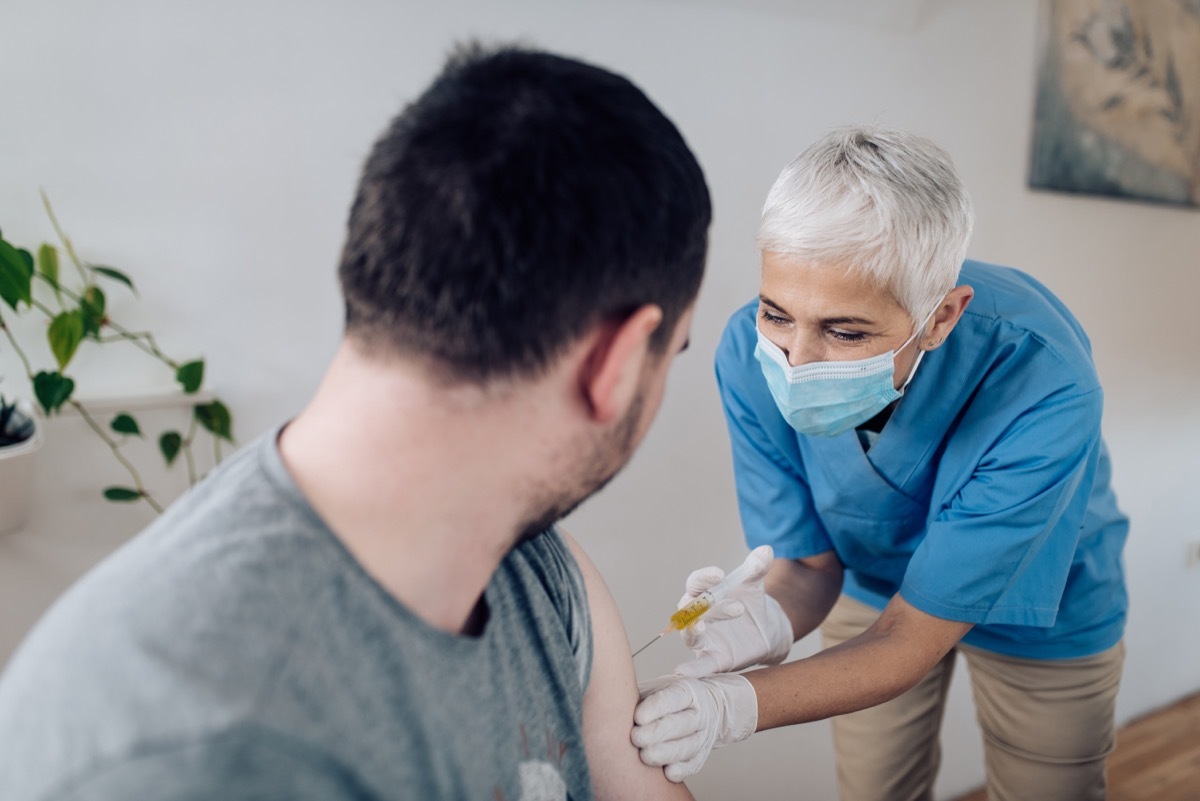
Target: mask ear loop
[[913, 372], [920, 354]]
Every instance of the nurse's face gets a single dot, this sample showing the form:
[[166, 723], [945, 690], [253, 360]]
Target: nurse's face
[[820, 313]]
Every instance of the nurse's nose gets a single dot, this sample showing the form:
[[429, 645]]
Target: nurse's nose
[[801, 350]]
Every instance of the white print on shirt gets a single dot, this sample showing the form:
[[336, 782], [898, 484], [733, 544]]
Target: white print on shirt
[[540, 781]]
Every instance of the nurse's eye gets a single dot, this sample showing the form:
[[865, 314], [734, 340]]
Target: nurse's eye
[[849, 337], [773, 319]]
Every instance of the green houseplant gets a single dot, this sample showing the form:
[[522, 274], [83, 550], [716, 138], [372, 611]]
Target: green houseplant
[[74, 304]]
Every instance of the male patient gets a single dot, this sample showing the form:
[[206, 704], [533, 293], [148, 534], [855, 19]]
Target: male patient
[[372, 602]]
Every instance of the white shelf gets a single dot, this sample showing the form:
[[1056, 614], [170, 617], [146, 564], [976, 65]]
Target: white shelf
[[143, 400]]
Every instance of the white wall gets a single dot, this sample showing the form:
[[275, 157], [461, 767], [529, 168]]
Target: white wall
[[211, 149]]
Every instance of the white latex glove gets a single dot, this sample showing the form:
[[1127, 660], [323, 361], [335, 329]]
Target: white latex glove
[[747, 628], [681, 720]]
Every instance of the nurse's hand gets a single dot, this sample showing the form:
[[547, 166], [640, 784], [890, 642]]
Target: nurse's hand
[[747, 628], [681, 720]]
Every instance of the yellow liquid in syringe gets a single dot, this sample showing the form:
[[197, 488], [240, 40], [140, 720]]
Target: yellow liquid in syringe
[[683, 618], [699, 605], [689, 614]]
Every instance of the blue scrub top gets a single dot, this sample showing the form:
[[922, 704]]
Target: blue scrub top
[[987, 497]]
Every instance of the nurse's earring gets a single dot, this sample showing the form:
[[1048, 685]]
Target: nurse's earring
[[933, 343]]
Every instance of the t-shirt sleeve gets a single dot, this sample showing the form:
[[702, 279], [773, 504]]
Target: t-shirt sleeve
[[564, 581], [999, 551], [774, 500], [234, 767]]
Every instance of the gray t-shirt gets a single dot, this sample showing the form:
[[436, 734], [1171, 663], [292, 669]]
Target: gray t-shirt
[[235, 650]]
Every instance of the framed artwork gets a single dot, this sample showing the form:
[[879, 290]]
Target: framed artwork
[[1118, 99]]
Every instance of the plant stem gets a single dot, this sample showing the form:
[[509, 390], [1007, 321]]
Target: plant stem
[[16, 347], [187, 452], [116, 449], [63, 237], [44, 309], [148, 345]]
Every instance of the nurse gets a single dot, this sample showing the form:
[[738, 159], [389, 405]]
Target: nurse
[[917, 439]]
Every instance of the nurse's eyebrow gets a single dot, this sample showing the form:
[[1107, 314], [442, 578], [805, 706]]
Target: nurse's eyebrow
[[773, 305], [846, 321]]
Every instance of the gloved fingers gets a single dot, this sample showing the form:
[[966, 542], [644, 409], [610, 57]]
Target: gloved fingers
[[698, 636], [666, 730], [675, 751], [761, 557], [699, 581], [695, 636], [703, 665], [675, 697], [705, 577], [678, 771], [654, 685], [723, 610], [670, 772]]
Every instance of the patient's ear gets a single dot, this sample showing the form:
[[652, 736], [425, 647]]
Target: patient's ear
[[611, 374]]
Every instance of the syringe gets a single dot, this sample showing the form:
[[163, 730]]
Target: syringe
[[695, 609]]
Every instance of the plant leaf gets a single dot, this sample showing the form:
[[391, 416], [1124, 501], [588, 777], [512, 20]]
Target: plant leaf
[[191, 376], [114, 274], [214, 417], [91, 308], [65, 334], [16, 278], [124, 423], [170, 443], [52, 390], [122, 494], [47, 261]]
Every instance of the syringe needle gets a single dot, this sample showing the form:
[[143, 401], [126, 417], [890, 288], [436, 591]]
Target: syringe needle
[[647, 645]]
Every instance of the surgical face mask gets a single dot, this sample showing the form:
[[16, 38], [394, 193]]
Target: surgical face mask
[[829, 398]]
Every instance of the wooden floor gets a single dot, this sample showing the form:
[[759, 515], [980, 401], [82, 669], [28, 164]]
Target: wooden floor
[[1157, 757]]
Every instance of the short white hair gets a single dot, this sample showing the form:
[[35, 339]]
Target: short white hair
[[882, 203]]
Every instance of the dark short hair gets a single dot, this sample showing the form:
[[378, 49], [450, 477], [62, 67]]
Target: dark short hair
[[521, 199]]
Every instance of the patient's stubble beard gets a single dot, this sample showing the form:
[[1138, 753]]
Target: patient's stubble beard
[[608, 456]]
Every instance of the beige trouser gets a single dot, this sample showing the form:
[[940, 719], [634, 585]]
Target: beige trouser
[[1047, 724]]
